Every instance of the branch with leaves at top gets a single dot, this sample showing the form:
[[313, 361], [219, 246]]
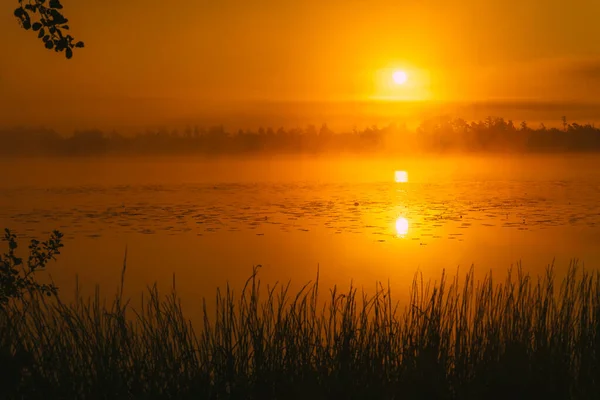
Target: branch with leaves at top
[[49, 26]]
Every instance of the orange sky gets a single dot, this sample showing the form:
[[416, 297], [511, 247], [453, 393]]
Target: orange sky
[[150, 59]]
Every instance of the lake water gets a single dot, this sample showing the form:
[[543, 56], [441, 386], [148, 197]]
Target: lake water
[[209, 222]]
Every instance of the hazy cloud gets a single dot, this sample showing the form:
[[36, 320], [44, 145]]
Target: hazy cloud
[[588, 70]]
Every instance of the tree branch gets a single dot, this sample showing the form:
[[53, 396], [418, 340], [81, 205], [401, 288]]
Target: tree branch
[[49, 25]]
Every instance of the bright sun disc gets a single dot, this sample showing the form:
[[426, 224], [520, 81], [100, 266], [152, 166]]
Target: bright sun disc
[[402, 226], [401, 176], [399, 77]]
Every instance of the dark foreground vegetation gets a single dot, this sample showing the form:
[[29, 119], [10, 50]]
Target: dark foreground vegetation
[[524, 338], [433, 135]]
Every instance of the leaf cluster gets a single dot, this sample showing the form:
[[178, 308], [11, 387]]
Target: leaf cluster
[[17, 277], [50, 24]]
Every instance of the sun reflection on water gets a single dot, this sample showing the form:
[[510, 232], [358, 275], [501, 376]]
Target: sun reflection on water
[[401, 176], [401, 227]]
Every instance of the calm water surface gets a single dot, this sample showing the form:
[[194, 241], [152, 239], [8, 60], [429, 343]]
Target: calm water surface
[[209, 222]]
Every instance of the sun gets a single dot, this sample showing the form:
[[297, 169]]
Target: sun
[[399, 77], [401, 227], [401, 176]]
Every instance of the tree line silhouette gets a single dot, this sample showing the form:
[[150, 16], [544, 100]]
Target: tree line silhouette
[[442, 134]]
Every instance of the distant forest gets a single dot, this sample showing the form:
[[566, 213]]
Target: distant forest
[[437, 135]]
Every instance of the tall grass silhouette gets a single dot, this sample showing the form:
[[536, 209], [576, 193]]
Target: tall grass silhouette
[[524, 337]]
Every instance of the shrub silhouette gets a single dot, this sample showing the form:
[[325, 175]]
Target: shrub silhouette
[[16, 277], [16, 281]]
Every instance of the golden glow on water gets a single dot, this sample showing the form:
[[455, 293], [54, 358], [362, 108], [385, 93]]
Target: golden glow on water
[[401, 226], [401, 176], [399, 77]]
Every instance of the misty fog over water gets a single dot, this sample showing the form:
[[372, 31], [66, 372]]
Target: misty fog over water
[[210, 221]]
